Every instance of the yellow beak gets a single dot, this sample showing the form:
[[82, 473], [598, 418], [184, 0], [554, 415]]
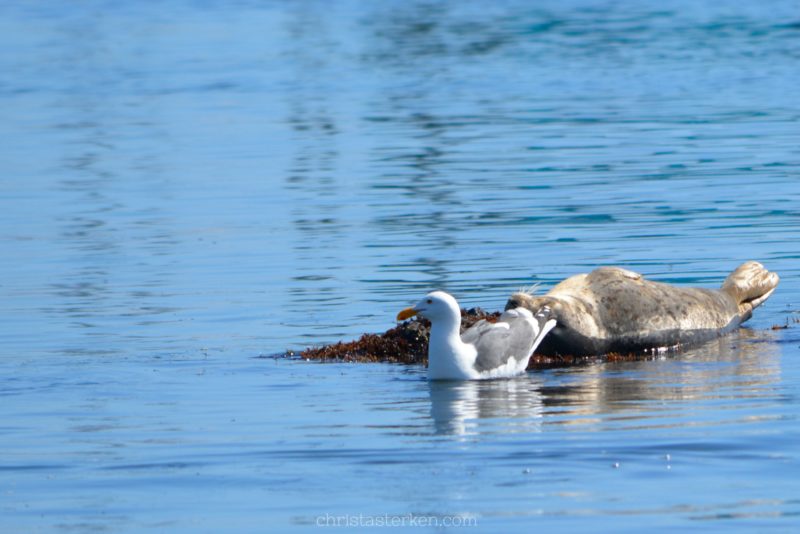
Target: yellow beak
[[405, 314]]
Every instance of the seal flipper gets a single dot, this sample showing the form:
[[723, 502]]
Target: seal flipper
[[750, 285]]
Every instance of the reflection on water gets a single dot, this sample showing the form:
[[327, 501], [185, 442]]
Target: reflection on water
[[643, 394], [745, 363], [456, 406]]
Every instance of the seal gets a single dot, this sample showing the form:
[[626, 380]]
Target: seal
[[616, 310]]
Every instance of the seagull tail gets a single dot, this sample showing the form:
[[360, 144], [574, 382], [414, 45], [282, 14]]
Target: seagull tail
[[544, 317]]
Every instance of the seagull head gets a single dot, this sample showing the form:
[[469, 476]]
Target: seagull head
[[436, 306]]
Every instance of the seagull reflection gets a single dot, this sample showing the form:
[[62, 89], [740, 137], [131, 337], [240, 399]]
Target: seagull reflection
[[457, 406]]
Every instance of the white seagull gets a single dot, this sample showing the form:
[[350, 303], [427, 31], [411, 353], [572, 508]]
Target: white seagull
[[485, 350]]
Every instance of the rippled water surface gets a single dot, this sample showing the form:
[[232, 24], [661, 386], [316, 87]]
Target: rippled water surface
[[190, 188]]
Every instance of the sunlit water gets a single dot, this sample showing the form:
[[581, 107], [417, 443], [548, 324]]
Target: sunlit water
[[190, 188]]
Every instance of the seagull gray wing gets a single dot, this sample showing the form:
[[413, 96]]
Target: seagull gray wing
[[474, 332], [516, 335]]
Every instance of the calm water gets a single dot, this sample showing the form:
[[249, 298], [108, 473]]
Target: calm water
[[189, 188]]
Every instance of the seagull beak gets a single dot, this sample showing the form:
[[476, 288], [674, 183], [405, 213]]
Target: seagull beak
[[405, 314]]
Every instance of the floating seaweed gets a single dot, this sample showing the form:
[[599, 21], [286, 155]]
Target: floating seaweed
[[408, 343], [405, 343], [788, 324]]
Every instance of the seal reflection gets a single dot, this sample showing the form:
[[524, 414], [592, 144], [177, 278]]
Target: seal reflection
[[672, 390]]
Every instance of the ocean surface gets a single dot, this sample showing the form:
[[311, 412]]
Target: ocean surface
[[190, 189]]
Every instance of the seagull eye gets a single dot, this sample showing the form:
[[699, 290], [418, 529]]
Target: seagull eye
[[430, 301]]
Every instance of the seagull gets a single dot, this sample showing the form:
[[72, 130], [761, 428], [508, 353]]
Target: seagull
[[485, 350]]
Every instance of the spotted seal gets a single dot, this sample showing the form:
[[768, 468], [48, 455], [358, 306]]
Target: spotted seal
[[617, 310]]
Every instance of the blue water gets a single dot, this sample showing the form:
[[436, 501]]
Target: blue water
[[192, 187]]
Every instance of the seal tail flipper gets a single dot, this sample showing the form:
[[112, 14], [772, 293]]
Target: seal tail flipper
[[750, 285]]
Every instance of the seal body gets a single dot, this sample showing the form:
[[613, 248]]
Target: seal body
[[617, 310]]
